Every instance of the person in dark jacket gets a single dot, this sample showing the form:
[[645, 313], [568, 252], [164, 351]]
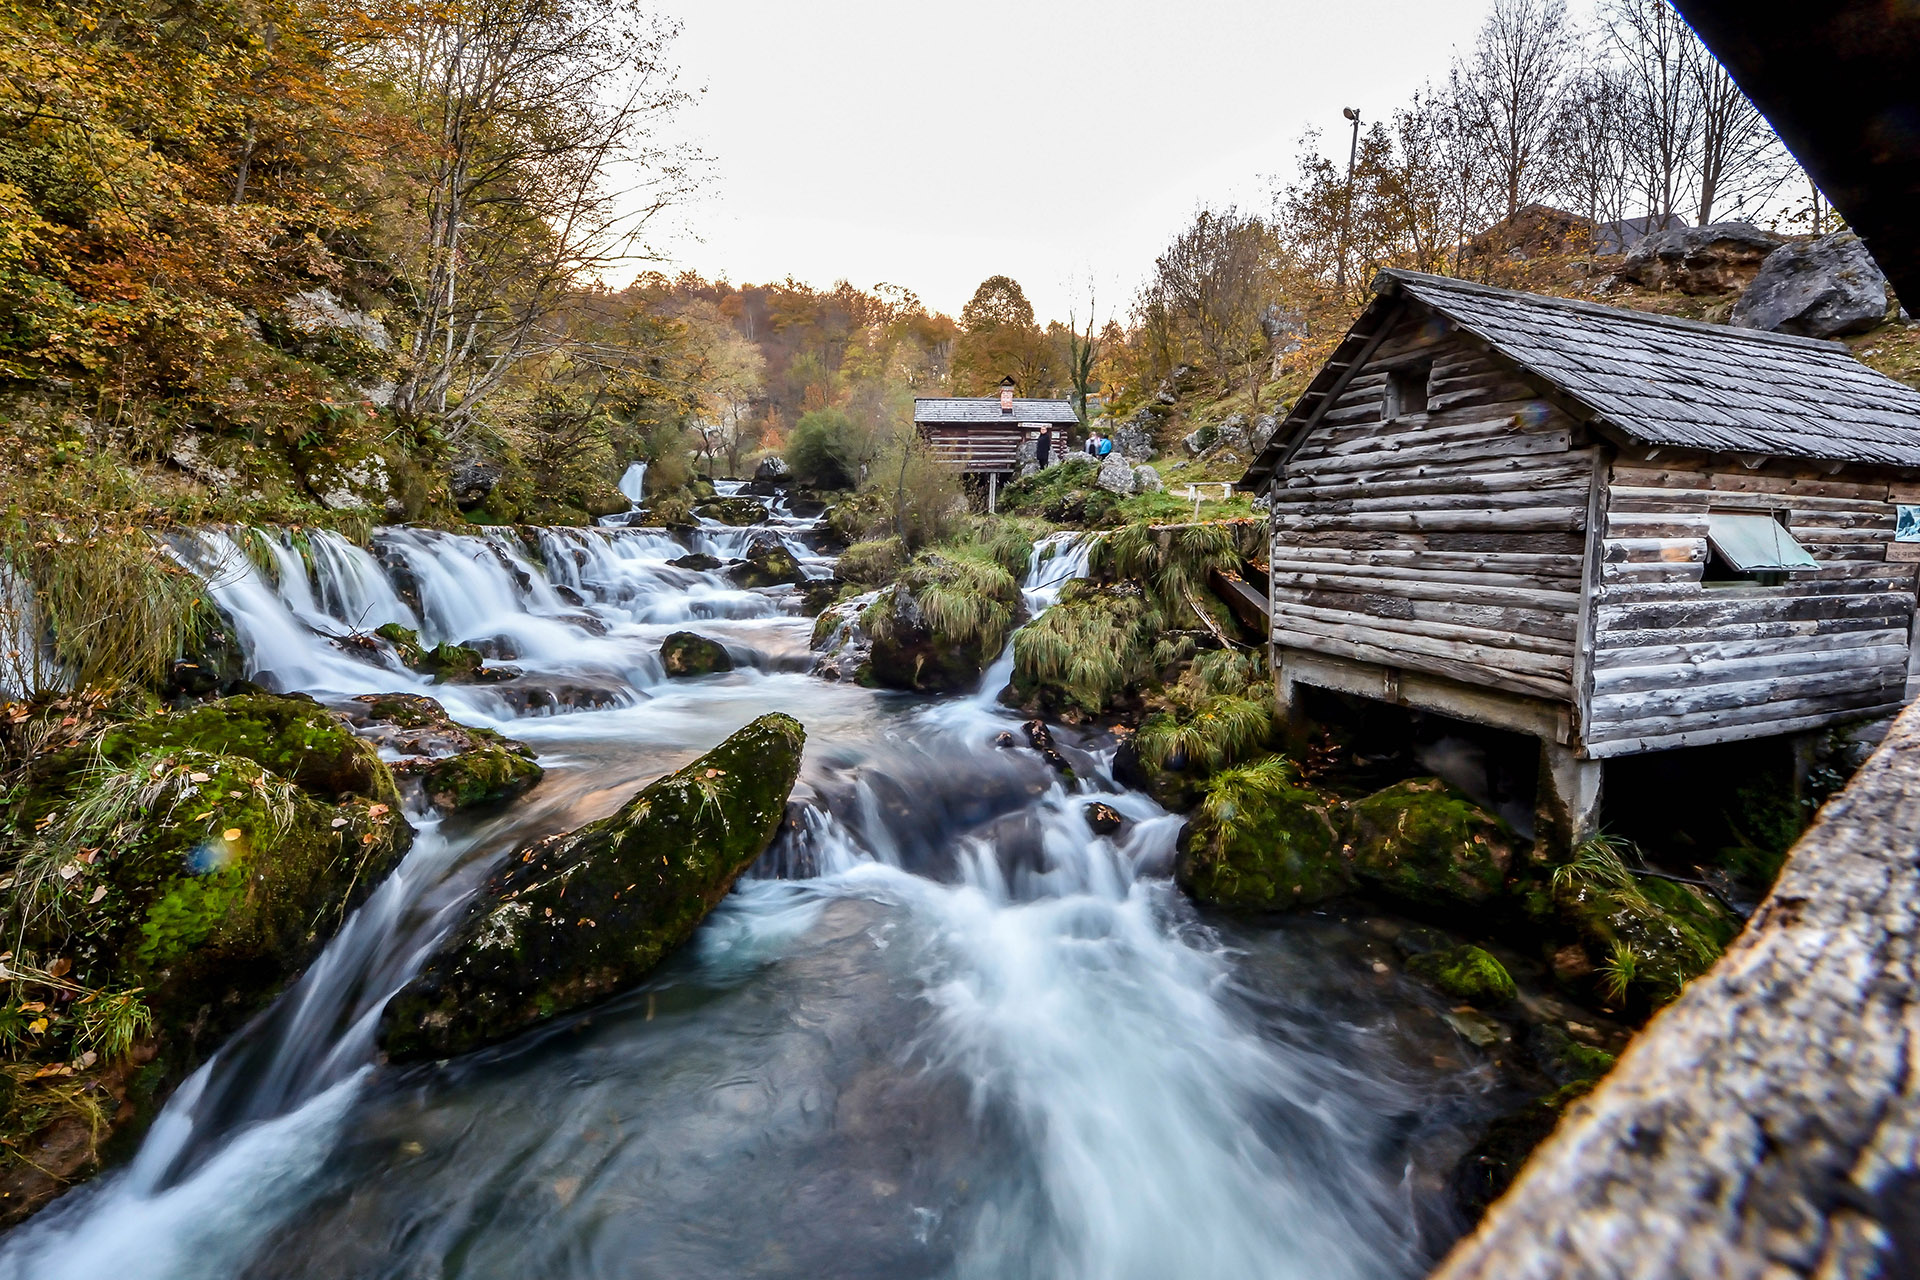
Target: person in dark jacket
[[1043, 447]]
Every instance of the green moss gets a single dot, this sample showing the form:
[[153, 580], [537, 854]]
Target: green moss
[[738, 512], [942, 622], [1063, 494], [1424, 843], [1649, 936], [1092, 649], [767, 564], [1263, 841], [1466, 973], [872, 564], [293, 737], [573, 919]]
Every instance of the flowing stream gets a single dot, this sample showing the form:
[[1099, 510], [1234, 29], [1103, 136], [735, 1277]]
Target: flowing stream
[[943, 1030]]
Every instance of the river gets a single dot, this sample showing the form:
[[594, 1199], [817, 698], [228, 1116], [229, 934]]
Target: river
[[943, 1030]]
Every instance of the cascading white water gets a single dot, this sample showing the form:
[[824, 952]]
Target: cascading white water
[[633, 483], [967, 1036]]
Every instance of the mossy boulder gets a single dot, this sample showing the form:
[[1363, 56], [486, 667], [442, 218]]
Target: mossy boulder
[[1466, 973], [872, 564], [1424, 843], [698, 561], [1089, 653], [1263, 842], [767, 564], [573, 919], [445, 663], [734, 511], [456, 766], [938, 627], [687, 653], [1647, 937]]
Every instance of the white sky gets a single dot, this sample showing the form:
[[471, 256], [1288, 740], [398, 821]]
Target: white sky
[[1057, 141]]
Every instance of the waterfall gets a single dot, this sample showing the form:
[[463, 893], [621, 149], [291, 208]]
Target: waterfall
[[946, 1028], [633, 484]]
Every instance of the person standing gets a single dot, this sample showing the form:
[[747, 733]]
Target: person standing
[[1043, 447], [1106, 446], [1092, 446]]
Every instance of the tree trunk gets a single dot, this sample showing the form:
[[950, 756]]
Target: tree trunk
[[1768, 1123]]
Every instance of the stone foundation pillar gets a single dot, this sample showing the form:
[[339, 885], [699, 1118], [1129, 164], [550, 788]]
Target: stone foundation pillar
[[1567, 809]]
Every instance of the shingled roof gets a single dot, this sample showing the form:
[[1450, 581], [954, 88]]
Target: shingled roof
[[985, 411], [1655, 379]]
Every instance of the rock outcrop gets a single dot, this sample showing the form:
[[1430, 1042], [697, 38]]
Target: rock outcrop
[[773, 469], [1264, 848], [1147, 480], [1720, 258], [1422, 842], [455, 766], [573, 919], [767, 564], [936, 629], [1821, 289], [1115, 475]]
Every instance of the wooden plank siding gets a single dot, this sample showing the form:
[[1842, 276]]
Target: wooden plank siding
[[1680, 662], [1448, 542]]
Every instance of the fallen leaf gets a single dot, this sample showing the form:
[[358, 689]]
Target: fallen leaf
[[232, 834], [59, 967], [33, 1006], [338, 822], [37, 1026], [87, 1059], [98, 894], [377, 810], [69, 871], [200, 777]]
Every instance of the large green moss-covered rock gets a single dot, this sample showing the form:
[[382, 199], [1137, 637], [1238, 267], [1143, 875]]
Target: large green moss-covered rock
[[1263, 842], [687, 653], [1648, 937], [1425, 843], [767, 564], [445, 663], [575, 918], [1089, 653], [734, 511], [938, 627]]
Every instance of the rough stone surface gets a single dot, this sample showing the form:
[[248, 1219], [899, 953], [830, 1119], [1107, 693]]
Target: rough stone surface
[[1719, 258], [455, 766], [1423, 842], [1767, 1124], [1146, 480], [1115, 475], [768, 563], [1821, 289], [687, 653], [318, 312], [573, 919], [773, 469], [1134, 437], [1270, 851]]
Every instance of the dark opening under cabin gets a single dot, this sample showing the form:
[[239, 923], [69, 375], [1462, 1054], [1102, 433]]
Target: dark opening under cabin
[[982, 435], [1620, 533]]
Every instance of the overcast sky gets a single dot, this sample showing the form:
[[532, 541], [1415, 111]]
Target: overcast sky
[[1057, 141]]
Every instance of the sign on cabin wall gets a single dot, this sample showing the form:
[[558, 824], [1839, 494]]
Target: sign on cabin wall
[[1906, 533]]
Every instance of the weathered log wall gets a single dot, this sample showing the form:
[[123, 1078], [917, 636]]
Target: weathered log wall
[[1768, 1123], [1676, 662], [1448, 541]]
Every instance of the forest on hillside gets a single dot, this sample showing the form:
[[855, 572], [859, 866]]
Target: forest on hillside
[[297, 258]]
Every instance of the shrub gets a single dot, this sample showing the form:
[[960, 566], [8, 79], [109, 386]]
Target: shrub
[[828, 449], [1085, 653]]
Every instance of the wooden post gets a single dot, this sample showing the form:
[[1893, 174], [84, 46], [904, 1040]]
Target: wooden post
[[1567, 807], [993, 491]]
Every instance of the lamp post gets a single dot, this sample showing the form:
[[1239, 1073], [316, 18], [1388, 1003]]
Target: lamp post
[[1346, 214]]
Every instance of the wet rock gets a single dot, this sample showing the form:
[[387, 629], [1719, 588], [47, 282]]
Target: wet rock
[[816, 594], [1268, 845], [445, 663], [1424, 843], [768, 563], [1466, 973], [456, 766], [573, 919], [1115, 476], [1005, 740], [530, 695], [687, 653], [1822, 289], [1644, 937], [1104, 819], [773, 469], [1040, 738], [472, 480], [738, 512], [1486, 1171], [942, 647], [1719, 258], [699, 562]]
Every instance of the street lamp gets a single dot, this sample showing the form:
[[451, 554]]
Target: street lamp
[[1346, 214]]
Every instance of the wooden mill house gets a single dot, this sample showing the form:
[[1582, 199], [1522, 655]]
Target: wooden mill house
[[982, 435], [1618, 532]]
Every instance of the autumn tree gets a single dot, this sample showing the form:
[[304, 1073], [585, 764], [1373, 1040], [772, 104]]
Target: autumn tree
[[999, 339]]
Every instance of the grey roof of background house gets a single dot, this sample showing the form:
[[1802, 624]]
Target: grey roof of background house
[[985, 411], [1660, 380]]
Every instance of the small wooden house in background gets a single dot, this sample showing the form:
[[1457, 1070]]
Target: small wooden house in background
[[982, 435], [1618, 532]]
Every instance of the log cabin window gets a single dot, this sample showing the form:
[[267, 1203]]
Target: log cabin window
[[1407, 389], [1748, 547]]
